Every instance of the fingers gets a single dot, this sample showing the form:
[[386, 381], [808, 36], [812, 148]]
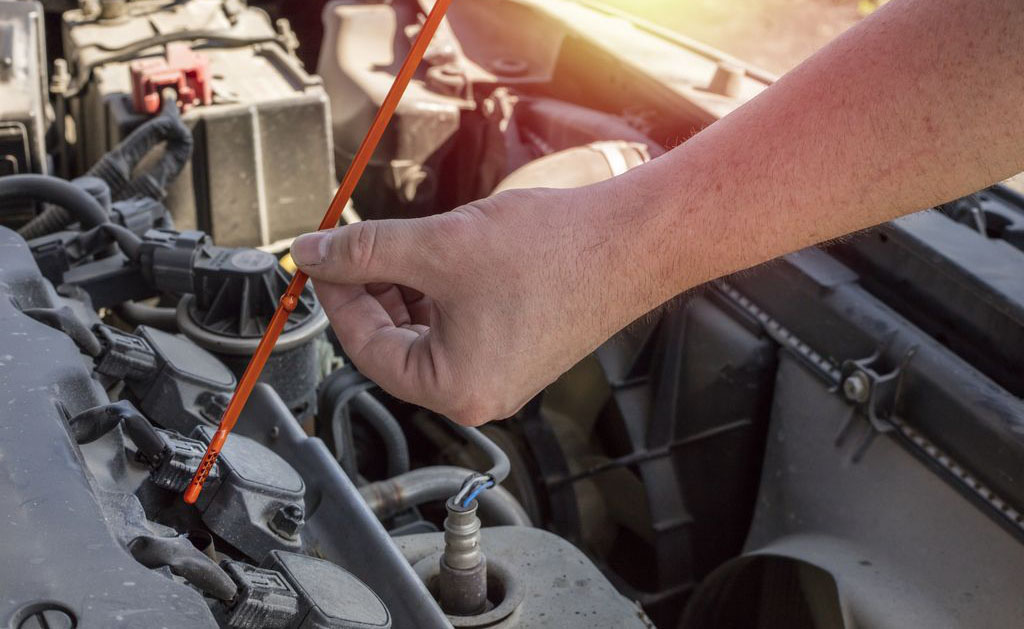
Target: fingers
[[368, 277], [394, 356], [417, 304], [391, 251], [391, 298]]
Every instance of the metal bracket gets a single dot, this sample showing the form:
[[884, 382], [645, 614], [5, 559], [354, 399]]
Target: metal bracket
[[873, 393]]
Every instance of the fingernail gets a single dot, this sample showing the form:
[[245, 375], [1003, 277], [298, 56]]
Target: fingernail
[[310, 249]]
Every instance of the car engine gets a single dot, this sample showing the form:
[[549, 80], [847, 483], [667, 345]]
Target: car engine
[[749, 457]]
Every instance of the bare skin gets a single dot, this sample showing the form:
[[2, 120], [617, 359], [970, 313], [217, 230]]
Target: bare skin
[[917, 105]]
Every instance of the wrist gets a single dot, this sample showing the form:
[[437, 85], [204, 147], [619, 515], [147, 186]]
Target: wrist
[[658, 238]]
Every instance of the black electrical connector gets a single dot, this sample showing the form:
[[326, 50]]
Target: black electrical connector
[[139, 214], [52, 257], [171, 457], [295, 591], [167, 259], [265, 600], [124, 355], [177, 461]]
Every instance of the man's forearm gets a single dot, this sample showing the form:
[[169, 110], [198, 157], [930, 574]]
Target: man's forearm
[[918, 105], [474, 311]]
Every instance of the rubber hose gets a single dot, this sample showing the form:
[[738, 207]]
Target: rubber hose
[[143, 434], [341, 388], [126, 239], [64, 319], [97, 189], [65, 194], [387, 427], [437, 483], [158, 317], [93, 423], [186, 561], [500, 465], [334, 424], [340, 426], [54, 218]]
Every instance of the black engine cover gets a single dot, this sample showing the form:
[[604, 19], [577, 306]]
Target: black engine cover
[[59, 553]]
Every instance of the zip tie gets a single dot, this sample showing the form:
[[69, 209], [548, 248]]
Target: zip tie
[[298, 282]]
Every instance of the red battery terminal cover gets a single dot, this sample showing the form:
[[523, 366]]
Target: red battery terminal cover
[[185, 71]]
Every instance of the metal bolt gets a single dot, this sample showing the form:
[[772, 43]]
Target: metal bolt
[[287, 521], [857, 387]]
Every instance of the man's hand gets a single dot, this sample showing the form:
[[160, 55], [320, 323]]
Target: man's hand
[[472, 312]]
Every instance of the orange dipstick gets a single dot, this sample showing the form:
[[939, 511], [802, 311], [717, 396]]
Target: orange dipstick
[[291, 294]]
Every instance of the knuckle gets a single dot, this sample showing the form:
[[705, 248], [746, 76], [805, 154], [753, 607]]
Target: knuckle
[[461, 222], [358, 248], [516, 198]]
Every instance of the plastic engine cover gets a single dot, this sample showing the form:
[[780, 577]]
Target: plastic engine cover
[[60, 560]]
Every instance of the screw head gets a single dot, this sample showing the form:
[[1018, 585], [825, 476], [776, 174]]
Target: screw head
[[857, 387]]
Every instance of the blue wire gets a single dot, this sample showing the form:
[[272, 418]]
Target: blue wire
[[476, 492]]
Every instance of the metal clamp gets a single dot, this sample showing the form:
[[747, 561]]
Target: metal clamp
[[874, 393]]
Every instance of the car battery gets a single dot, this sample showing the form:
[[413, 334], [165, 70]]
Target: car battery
[[22, 92], [262, 165]]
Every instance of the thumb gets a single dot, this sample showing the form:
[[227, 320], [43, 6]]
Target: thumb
[[387, 251]]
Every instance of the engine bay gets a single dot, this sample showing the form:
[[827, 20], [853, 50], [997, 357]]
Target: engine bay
[[156, 159]]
